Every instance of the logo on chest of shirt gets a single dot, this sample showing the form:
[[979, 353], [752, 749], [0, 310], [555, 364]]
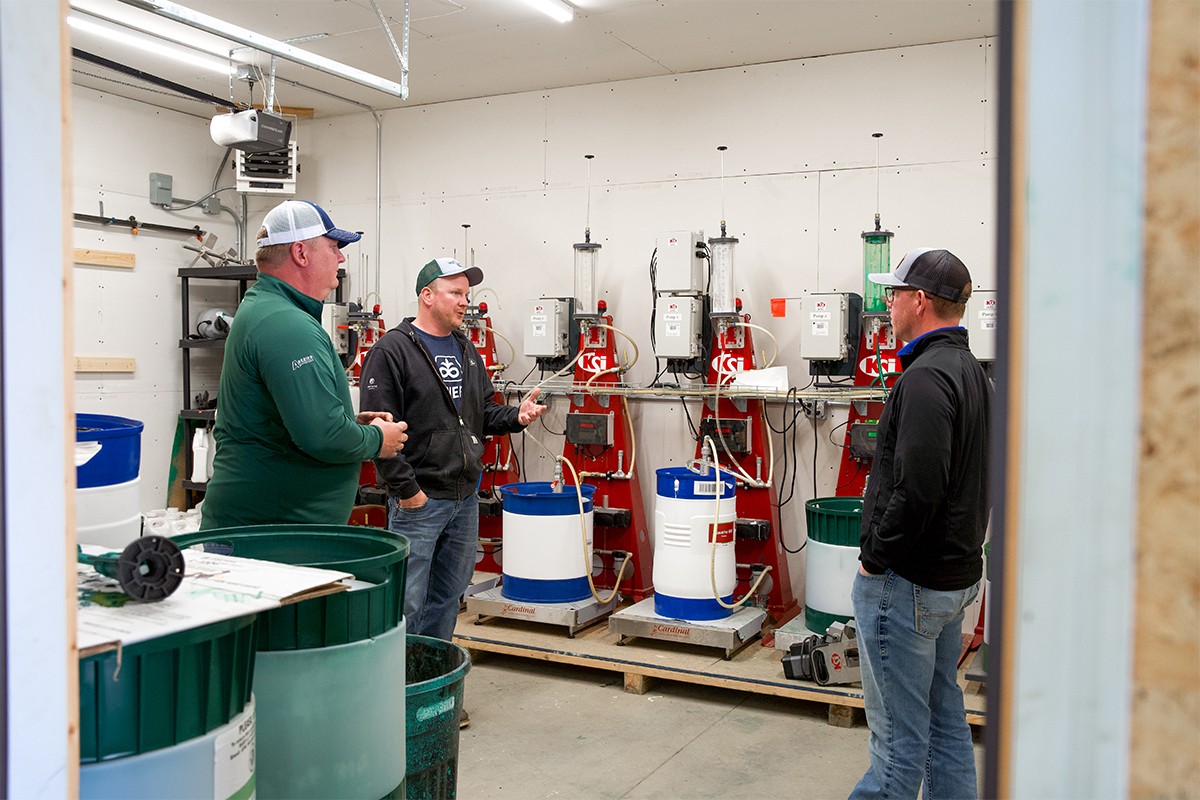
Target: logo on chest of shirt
[[300, 362], [448, 368]]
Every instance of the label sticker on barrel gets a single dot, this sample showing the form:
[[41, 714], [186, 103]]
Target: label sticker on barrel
[[724, 533], [233, 767], [705, 487]]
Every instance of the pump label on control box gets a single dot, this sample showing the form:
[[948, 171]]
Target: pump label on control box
[[724, 533]]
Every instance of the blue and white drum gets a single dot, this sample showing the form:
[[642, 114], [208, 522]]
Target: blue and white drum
[[685, 526], [545, 557]]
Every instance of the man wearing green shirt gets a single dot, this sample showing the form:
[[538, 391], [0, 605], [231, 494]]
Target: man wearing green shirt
[[289, 446]]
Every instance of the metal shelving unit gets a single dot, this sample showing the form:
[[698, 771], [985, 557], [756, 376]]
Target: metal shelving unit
[[243, 276]]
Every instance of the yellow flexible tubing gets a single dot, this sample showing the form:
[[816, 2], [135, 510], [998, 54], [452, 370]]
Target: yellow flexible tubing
[[552, 377], [496, 333], [712, 562], [768, 333], [717, 416], [587, 562], [618, 368]]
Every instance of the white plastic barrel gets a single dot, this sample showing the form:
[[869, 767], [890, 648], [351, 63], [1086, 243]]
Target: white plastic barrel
[[108, 516], [685, 524], [545, 560], [107, 459], [219, 764]]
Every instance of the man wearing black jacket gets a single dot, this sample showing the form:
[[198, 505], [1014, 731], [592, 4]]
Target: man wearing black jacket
[[428, 373], [924, 518]]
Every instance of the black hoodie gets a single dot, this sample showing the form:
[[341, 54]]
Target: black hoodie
[[926, 509], [445, 444]]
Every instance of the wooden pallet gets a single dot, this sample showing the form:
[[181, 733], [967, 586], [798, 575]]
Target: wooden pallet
[[752, 669]]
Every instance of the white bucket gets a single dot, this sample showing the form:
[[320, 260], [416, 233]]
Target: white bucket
[[684, 515], [108, 516], [829, 578]]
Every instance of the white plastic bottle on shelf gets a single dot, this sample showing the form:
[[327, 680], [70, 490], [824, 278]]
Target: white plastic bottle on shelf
[[154, 523], [200, 456]]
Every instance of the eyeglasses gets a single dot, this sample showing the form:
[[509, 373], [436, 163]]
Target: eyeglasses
[[889, 292]]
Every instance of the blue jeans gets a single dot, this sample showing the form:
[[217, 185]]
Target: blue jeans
[[910, 639], [443, 535]]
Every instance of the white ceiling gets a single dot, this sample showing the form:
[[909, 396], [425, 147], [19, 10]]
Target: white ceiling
[[477, 48]]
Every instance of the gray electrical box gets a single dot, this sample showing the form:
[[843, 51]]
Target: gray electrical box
[[677, 326], [589, 428], [825, 327], [160, 189], [980, 321], [547, 327], [678, 268]]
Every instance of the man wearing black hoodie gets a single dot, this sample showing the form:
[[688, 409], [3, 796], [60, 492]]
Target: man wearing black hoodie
[[426, 370], [924, 518]]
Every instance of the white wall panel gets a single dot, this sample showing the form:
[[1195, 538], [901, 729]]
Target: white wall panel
[[799, 191], [136, 313]]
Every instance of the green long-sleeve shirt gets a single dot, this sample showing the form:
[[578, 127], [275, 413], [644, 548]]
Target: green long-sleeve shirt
[[288, 448]]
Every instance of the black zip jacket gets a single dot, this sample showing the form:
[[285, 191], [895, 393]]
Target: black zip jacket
[[926, 509], [445, 444]]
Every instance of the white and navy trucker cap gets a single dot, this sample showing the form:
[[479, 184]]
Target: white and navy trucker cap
[[298, 220], [938, 272]]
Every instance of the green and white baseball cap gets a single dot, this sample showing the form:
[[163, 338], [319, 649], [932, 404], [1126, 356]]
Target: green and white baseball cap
[[447, 268]]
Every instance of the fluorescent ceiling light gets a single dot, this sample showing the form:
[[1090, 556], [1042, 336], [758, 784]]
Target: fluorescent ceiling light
[[150, 45], [555, 8]]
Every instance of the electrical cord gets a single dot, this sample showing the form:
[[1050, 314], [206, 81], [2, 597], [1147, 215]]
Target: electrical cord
[[854, 477], [653, 299], [688, 414], [831, 432], [542, 420]]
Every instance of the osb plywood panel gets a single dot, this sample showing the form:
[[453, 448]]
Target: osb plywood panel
[[1165, 750]]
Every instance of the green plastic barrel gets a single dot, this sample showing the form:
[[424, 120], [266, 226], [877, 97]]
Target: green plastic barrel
[[330, 669], [373, 555], [164, 691], [833, 532], [434, 674]]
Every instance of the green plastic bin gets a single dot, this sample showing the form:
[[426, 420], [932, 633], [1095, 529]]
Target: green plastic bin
[[330, 669], [834, 520], [434, 674], [829, 571], [168, 690], [372, 555]]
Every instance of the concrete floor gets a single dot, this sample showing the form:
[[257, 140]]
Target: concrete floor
[[546, 730]]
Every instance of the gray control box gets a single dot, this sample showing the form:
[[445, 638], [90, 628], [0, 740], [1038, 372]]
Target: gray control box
[[589, 428], [547, 327], [825, 327], [160, 189], [678, 268], [677, 326], [980, 321]]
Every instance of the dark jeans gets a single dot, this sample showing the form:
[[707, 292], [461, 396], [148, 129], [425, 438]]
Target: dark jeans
[[910, 639], [443, 535]]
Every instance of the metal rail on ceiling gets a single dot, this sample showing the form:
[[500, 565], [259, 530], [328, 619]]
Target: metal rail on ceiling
[[244, 36]]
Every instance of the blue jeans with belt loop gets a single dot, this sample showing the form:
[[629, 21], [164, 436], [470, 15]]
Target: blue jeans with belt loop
[[443, 536], [910, 639]]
